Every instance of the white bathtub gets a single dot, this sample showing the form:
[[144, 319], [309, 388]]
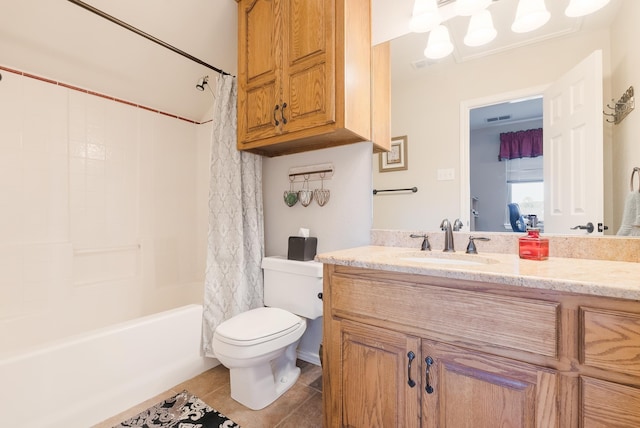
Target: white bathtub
[[86, 379]]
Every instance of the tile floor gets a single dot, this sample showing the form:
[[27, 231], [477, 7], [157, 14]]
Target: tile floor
[[300, 407]]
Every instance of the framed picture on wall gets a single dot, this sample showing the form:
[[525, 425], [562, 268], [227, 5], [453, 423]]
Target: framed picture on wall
[[396, 158]]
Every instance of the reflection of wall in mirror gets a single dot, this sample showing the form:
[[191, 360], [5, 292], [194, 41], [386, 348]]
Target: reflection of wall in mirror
[[625, 65], [428, 109]]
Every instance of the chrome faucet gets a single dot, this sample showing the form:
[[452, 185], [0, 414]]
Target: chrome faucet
[[457, 225], [448, 236]]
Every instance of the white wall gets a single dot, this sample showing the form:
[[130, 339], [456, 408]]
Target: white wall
[[342, 223], [63, 40], [625, 64], [100, 211], [427, 110]]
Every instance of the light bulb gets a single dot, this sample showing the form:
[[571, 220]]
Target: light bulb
[[481, 30], [425, 16], [530, 15], [439, 44]]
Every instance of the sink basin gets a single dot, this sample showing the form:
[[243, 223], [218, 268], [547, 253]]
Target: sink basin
[[448, 259]]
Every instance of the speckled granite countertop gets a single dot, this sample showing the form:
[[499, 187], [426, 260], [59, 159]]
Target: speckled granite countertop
[[594, 277]]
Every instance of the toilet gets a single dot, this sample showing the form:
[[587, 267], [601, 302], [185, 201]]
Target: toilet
[[259, 346]]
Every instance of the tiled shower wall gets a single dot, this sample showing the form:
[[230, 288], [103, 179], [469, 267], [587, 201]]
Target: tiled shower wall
[[102, 211]]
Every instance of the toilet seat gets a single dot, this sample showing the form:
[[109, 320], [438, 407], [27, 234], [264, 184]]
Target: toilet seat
[[257, 326]]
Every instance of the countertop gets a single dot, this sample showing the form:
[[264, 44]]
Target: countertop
[[594, 277]]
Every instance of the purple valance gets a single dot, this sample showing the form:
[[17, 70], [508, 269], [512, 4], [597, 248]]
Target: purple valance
[[521, 144]]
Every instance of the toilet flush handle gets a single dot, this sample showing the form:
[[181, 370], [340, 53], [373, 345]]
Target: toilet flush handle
[[320, 296]]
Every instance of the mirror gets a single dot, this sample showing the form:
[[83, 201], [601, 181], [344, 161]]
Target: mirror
[[427, 99]]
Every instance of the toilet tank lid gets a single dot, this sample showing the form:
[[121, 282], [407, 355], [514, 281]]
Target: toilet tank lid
[[282, 264]]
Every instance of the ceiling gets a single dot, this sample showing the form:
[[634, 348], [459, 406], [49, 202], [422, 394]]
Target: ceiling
[[61, 41]]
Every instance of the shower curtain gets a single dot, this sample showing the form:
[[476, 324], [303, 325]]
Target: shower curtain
[[233, 279]]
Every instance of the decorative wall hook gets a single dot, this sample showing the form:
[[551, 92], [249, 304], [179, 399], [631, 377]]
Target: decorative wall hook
[[622, 107], [316, 172]]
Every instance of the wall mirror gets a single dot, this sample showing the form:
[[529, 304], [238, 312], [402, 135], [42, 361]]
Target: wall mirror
[[431, 98]]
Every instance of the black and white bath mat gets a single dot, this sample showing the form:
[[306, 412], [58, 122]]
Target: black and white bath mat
[[183, 410]]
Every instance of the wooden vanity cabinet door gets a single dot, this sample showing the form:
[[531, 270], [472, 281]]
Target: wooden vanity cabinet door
[[472, 389], [609, 405], [374, 386]]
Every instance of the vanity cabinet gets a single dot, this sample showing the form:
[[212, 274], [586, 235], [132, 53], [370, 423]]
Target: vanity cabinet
[[407, 350], [304, 74]]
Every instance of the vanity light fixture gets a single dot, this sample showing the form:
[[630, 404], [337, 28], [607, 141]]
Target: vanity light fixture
[[530, 15], [428, 16], [425, 16], [481, 30], [439, 44], [579, 8]]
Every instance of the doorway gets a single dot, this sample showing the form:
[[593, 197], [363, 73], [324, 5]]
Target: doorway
[[488, 108], [496, 182]]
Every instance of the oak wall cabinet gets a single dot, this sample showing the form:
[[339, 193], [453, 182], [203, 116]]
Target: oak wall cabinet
[[304, 74]]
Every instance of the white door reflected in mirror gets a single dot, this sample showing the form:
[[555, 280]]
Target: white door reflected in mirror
[[573, 146]]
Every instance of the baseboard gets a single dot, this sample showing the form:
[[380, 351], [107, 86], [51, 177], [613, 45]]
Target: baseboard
[[309, 357]]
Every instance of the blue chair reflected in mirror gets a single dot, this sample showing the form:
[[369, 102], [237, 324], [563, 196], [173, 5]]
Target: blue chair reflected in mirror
[[518, 223]]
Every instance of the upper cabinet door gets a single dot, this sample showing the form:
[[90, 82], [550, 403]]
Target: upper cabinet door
[[308, 82], [259, 71]]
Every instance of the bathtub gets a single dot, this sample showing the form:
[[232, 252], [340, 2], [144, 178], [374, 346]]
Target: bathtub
[[86, 379]]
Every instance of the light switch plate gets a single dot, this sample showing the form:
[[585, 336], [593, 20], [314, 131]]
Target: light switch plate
[[446, 174]]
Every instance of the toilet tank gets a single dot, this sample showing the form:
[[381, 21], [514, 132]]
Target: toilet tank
[[293, 285]]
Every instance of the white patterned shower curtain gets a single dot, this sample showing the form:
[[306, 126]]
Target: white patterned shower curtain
[[233, 280]]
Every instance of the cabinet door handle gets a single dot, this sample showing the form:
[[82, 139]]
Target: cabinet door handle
[[410, 381], [284, 119], [429, 362], [275, 110]]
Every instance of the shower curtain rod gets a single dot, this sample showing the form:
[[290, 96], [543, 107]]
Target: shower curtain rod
[[145, 35]]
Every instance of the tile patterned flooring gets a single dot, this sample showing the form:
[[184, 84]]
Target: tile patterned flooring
[[300, 407]]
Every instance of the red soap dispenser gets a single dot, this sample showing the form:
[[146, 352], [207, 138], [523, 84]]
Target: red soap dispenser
[[533, 247]]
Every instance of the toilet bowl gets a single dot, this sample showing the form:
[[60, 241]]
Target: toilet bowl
[[259, 346]]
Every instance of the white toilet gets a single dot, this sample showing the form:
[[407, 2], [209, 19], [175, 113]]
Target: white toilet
[[259, 346]]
